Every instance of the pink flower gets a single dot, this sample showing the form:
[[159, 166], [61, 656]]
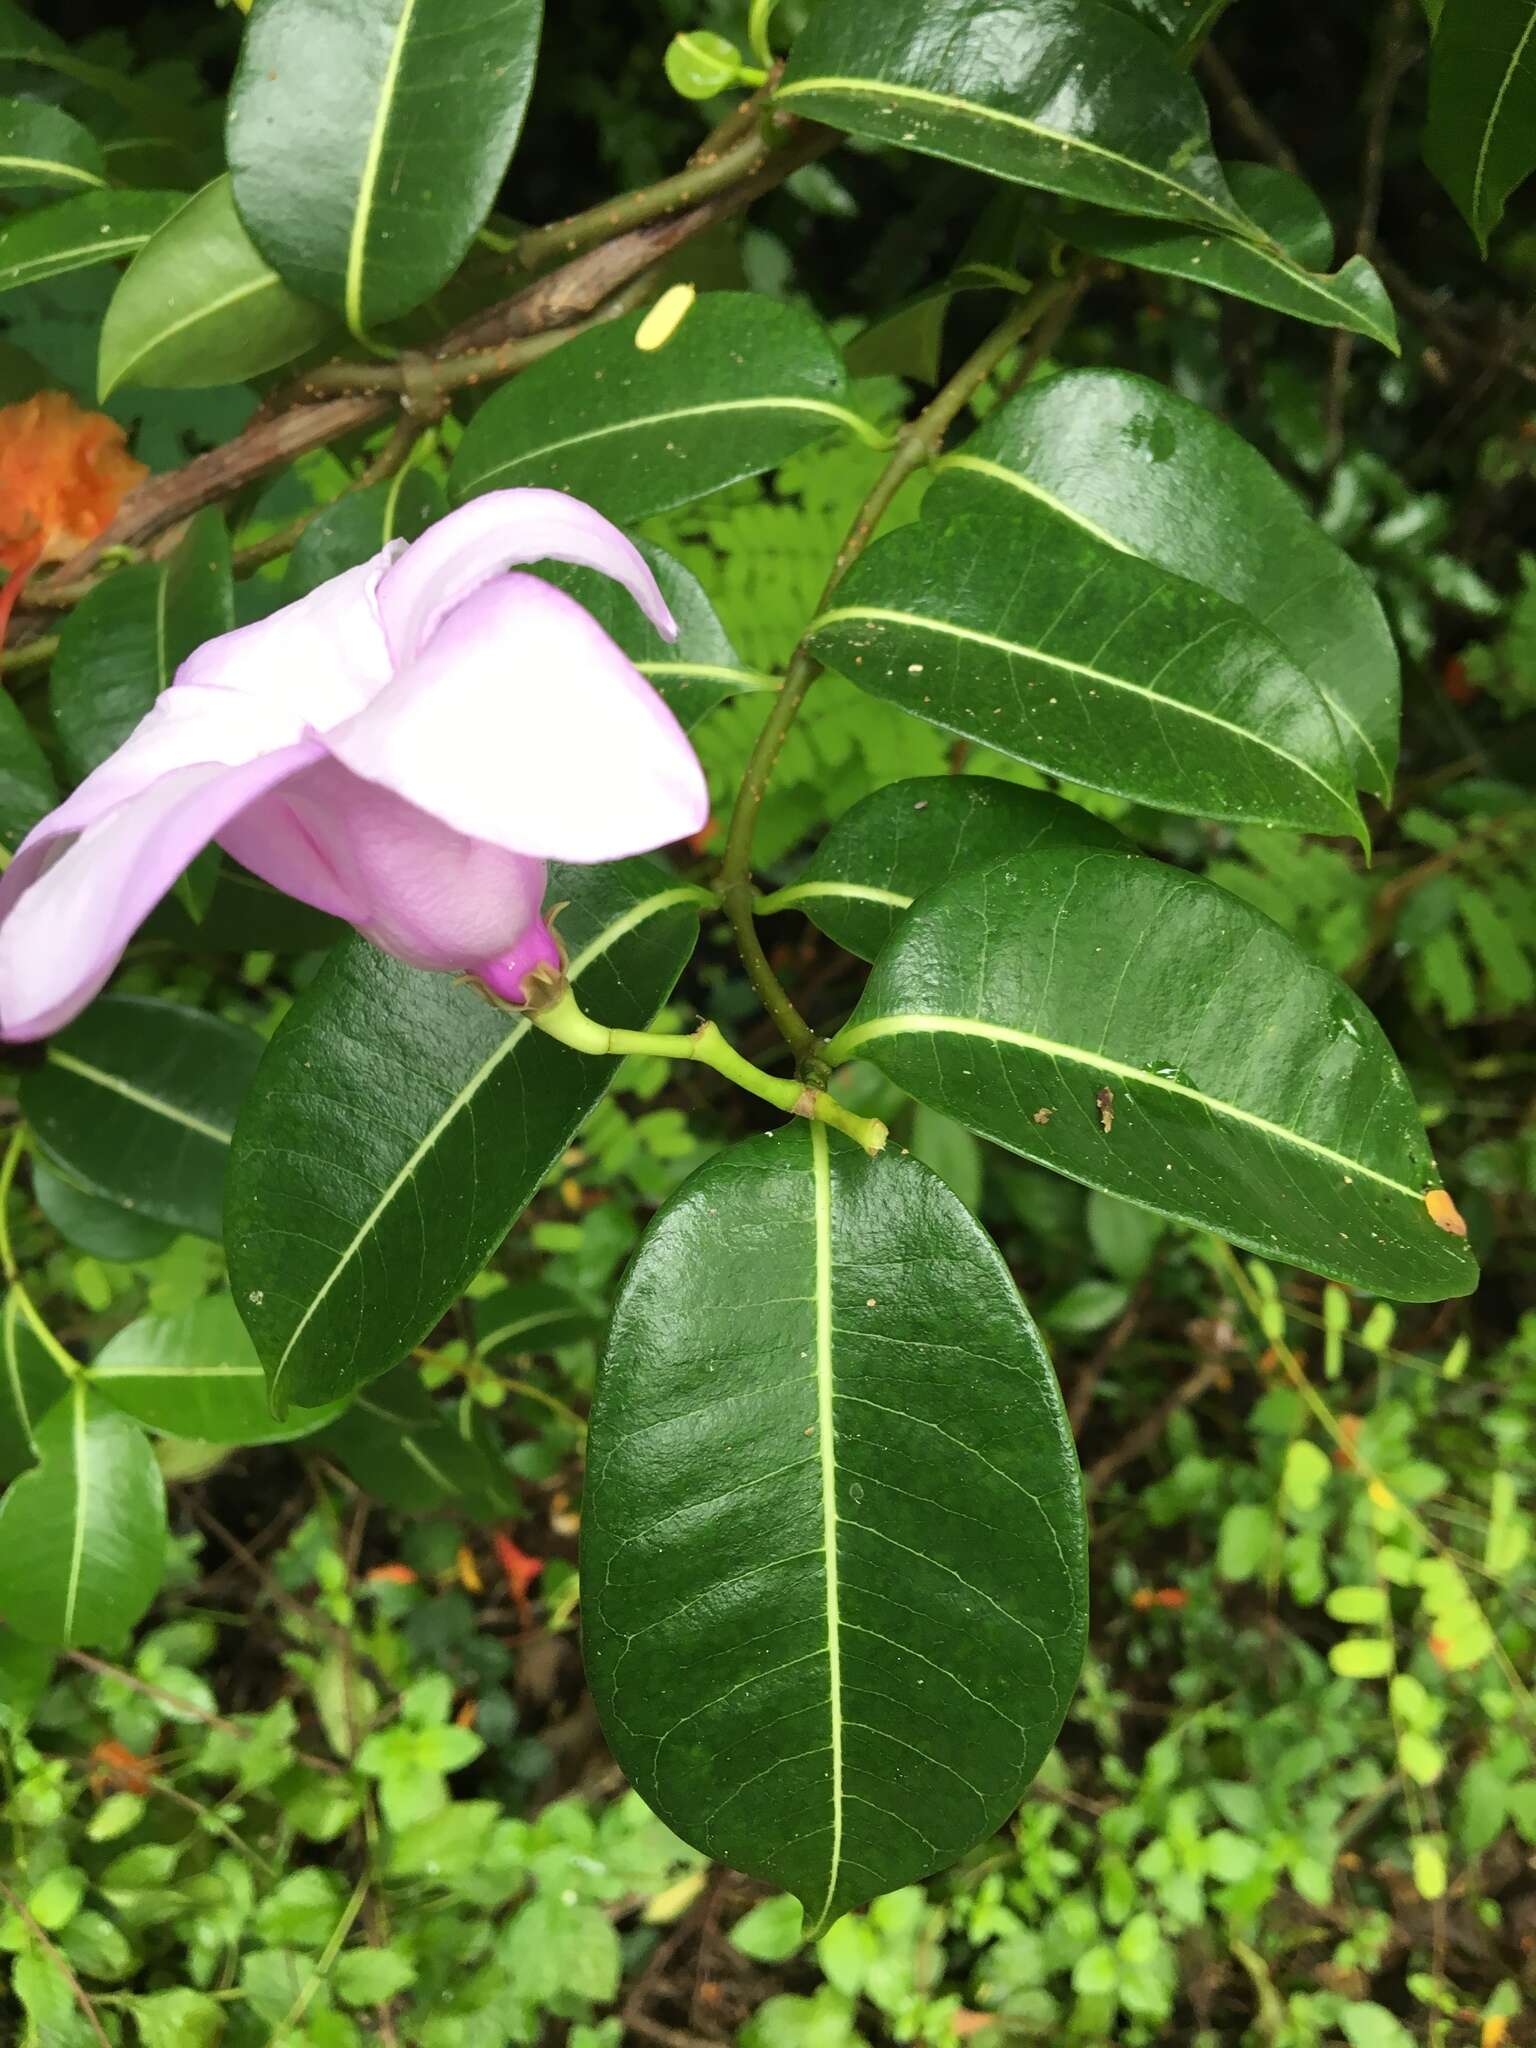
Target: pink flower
[[405, 748]]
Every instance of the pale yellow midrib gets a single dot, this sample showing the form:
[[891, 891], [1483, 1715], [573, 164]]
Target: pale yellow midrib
[[1240, 228], [48, 163], [882, 615], [357, 243], [82, 1500], [849, 1040], [821, 1178], [115, 1084], [1494, 113], [681, 412]]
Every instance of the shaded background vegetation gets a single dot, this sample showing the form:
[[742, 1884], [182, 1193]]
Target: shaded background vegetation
[[1295, 1802]]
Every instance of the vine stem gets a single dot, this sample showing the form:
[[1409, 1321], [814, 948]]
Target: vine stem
[[568, 1024], [11, 1272], [917, 444]]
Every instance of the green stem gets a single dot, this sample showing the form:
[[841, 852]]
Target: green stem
[[685, 189], [33, 655], [916, 444], [565, 1022], [11, 1272]]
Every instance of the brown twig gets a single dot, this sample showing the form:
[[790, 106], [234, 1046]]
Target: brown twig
[[178, 1705], [1209, 1373], [60, 1962], [1396, 57], [1086, 1384], [1243, 114], [489, 345]]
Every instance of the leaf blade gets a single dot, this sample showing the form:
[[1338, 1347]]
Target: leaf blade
[[1276, 1116], [76, 233], [345, 173], [1032, 635], [650, 434], [199, 305], [305, 1295], [1158, 474], [1480, 136], [82, 1535], [753, 1294], [136, 1102]]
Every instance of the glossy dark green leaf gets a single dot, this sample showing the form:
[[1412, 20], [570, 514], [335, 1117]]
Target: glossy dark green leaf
[[532, 1317], [1185, 23], [1287, 272], [741, 384], [1023, 629], [244, 913], [42, 145], [367, 139], [399, 1124], [1143, 1031], [1141, 466], [408, 1451], [93, 1225], [1480, 140], [194, 1373], [95, 227], [123, 643], [30, 1383], [832, 1542], [200, 305], [696, 671], [136, 1102], [357, 525], [82, 1535], [27, 788], [910, 836], [1073, 95]]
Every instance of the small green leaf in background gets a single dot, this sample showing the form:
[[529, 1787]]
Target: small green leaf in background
[[1141, 1030], [1123, 1236], [42, 145], [830, 1673], [740, 384], [123, 643], [534, 1317], [93, 1225], [199, 305], [195, 1373], [93, 228], [948, 1149], [406, 1449], [1288, 272], [1248, 1534], [1361, 1657], [910, 836], [82, 1537], [772, 1930], [136, 1102], [367, 140], [1480, 140]]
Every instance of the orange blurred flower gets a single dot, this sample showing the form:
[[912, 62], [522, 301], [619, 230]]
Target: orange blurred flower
[[63, 474], [1159, 1596]]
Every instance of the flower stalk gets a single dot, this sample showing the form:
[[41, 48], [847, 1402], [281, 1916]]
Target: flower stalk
[[565, 1022]]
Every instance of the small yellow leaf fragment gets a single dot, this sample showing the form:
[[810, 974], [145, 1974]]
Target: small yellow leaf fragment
[[467, 1570], [1443, 1210], [1494, 2029], [665, 317]]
